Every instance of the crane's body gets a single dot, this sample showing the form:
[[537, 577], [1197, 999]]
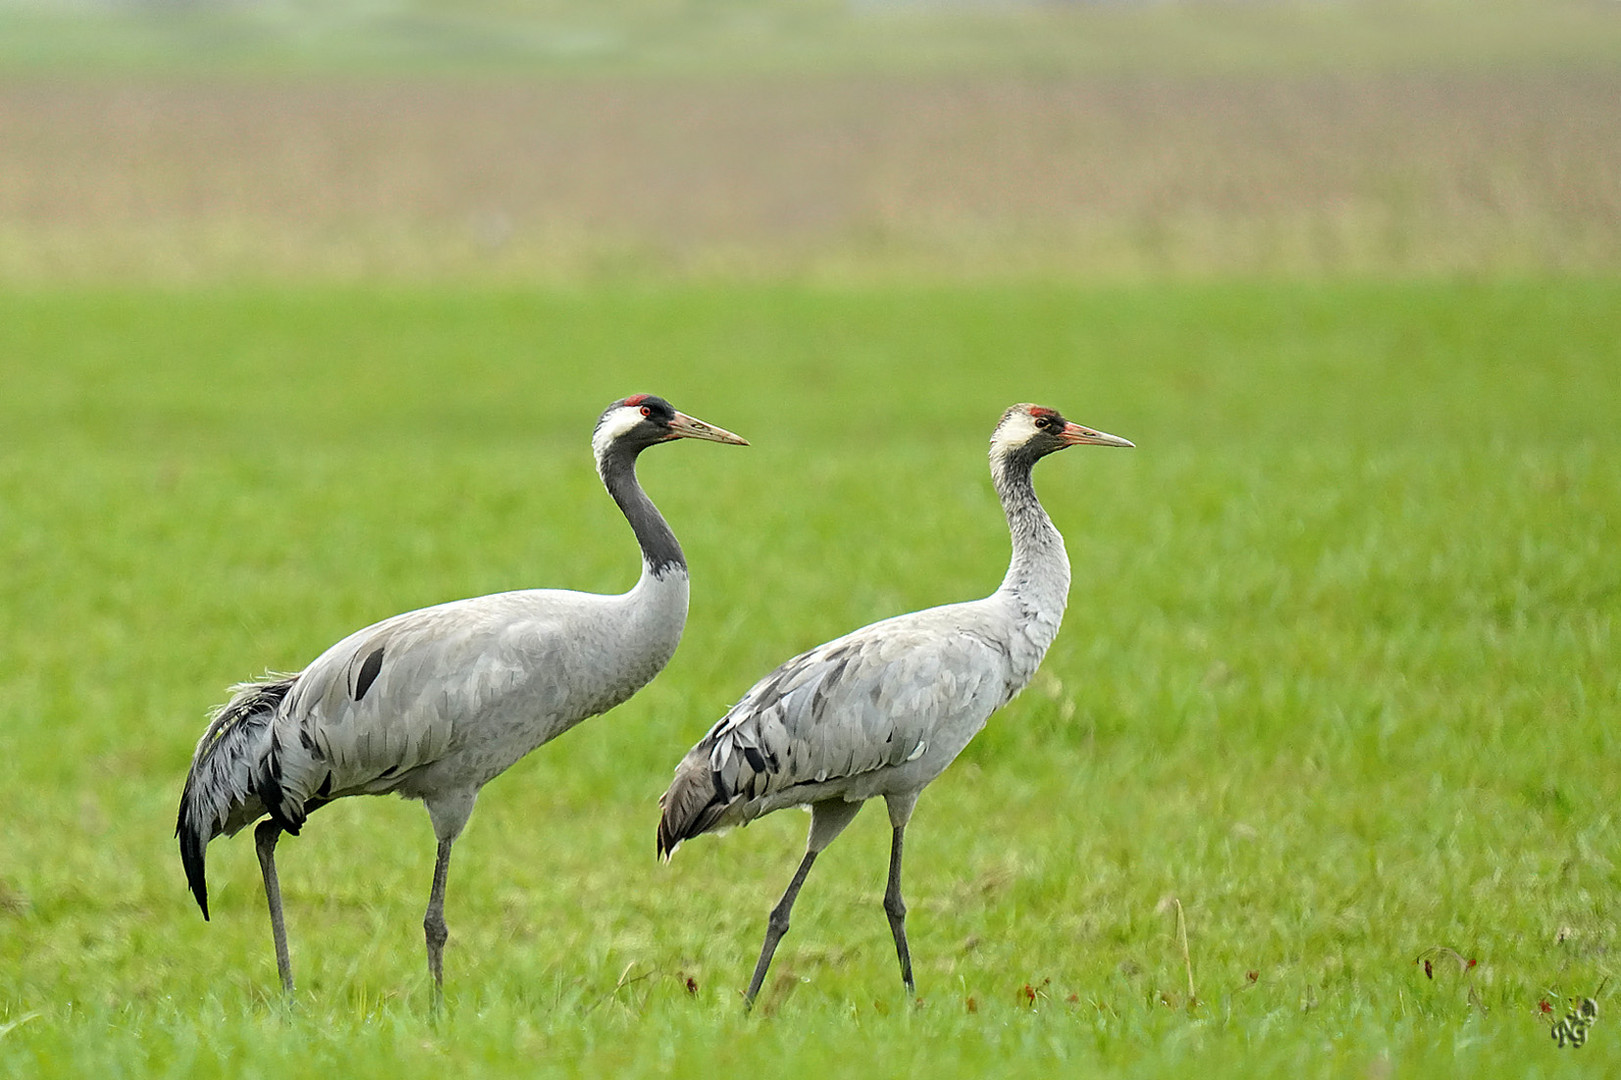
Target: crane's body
[[879, 712], [434, 703], [882, 711]]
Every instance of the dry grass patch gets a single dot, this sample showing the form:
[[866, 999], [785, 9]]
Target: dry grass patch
[[1102, 178]]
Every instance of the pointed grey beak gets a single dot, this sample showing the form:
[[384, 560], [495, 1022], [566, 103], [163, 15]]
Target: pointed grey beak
[[689, 427], [1076, 435]]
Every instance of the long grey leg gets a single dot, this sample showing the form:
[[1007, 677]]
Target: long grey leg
[[900, 812], [777, 926], [828, 819], [264, 842], [449, 812], [433, 923], [895, 908]]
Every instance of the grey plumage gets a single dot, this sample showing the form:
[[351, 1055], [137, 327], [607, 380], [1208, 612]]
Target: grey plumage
[[883, 710], [435, 703], [228, 771]]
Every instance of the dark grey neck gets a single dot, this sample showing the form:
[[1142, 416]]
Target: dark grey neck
[[661, 552], [1039, 569]]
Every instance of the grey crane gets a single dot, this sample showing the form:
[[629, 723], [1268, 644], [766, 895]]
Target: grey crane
[[435, 703], [883, 710]]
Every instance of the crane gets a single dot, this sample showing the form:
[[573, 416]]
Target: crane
[[883, 710], [434, 703]]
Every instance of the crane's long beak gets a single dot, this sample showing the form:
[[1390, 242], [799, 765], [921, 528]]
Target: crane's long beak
[[688, 427], [1076, 435]]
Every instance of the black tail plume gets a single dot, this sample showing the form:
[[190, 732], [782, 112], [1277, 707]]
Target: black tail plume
[[221, 792]]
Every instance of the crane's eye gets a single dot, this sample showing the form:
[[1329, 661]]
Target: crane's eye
[[646, 411], [1043, 422]]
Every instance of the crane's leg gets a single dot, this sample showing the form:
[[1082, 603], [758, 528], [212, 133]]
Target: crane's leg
[[828, 819], [264, 842], [895, 908], [449, 812], [777, 926], [900, 812], [433, 923]]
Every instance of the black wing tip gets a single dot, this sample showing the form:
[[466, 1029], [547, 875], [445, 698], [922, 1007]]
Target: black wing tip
[[667, 842], [192, 858], [271, 794]]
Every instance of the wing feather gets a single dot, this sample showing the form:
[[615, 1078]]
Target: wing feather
[[439, 666], [864, 702]]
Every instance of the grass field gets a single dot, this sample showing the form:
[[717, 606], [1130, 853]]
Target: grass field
[[1339, 675]]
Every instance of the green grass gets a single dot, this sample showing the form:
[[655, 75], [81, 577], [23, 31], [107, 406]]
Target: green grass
[[1339, 675]]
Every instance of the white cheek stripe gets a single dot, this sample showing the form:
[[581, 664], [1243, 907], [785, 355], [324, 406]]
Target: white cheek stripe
[[614, 425], [1015, 431]]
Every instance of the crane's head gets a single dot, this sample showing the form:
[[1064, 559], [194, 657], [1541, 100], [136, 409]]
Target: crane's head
[[1032, 431], [642, 420]]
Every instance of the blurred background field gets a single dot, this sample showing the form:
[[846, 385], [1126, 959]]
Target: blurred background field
[[305, 312], [820, 141]]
